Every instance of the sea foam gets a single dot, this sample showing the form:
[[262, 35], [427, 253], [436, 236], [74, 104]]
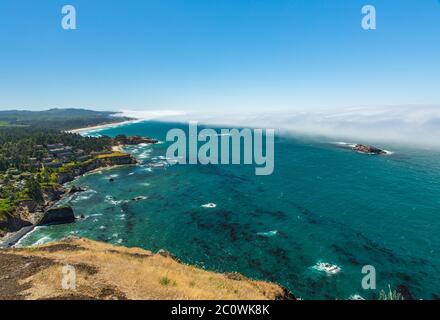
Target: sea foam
[[209, 205], [330, 269], [268, 233]]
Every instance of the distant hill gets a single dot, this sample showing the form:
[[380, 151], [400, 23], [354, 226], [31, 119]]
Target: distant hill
[[61, 119]]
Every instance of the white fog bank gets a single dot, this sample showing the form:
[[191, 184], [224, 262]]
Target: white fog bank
[[410, 125]]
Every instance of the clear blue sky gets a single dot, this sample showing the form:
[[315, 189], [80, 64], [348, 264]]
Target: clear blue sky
[[218, 54]]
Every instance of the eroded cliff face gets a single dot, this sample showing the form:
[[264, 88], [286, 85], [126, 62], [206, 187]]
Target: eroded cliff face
[[12, 223], [57, 215], [104, 271], [124, 159]]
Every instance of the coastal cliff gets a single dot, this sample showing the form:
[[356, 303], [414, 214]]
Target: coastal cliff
[[104, 271], [31, 212], [100, 161], [58, 215]]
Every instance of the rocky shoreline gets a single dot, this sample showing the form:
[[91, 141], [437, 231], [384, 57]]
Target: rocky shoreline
[[32, 214]]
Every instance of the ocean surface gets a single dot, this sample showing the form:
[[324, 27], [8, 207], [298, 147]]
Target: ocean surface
[[323, 204]]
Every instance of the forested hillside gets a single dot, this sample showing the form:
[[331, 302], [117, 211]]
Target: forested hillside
[[62, 119]]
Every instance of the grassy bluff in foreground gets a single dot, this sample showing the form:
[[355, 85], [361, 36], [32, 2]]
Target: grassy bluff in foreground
[[102, 273]]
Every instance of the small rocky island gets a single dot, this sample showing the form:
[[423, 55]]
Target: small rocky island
[[368, 149], [134, 140]]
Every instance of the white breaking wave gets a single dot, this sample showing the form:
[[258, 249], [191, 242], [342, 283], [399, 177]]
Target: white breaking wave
[[96, 215], [111, 200], [41, 241], [85, 195], [209, 205], [268, 233], [139, 198], [356, 297], [19, 242], [330, 269], [144, 155]]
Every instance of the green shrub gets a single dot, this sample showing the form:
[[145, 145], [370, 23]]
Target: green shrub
[[165, 281]]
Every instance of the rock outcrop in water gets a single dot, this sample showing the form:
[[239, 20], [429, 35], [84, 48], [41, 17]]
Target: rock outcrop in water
[[134, 140], [368, 149], [58, 215], [75, 189]]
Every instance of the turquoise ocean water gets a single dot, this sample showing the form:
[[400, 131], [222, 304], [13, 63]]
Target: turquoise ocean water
[[323, 203]]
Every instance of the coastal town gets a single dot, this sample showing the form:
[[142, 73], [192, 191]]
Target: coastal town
[[35, 163]]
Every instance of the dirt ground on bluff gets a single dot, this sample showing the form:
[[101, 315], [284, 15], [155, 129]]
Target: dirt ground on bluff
[[105, 272]]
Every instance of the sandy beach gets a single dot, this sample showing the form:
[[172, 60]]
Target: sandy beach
[[103, 126], [118, 148]]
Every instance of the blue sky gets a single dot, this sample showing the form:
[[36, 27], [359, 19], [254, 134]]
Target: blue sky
[[219, 55]]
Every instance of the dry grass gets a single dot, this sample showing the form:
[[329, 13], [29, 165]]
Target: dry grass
[[112, 155], [104, 271]]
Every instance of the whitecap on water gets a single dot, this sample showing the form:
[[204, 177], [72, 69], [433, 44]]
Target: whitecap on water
[[209, 205], [328, 268], [96, 215], [143, 154], [268, 233], [43, 240], [86, 195], [138, 198], [356, 297], [111, 200], [159, 164]]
